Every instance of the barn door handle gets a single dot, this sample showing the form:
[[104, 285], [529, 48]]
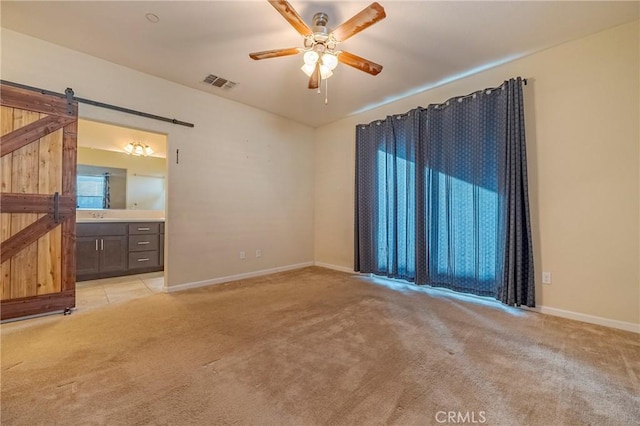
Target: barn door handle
[[56, 207]]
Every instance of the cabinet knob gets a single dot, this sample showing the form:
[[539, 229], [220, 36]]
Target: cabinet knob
[[143, 229], [141, 243], [144, 259]]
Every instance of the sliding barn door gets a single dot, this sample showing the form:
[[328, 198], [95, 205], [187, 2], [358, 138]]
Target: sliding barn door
[[37, 201]]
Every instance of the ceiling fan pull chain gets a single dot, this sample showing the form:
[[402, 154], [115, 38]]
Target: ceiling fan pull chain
[[326, 91]]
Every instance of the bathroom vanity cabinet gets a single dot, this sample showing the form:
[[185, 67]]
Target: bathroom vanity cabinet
[[110, 249]]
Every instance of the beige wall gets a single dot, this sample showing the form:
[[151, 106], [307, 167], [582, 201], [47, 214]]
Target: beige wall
[[245, 177], [582, 106], [93, 134]]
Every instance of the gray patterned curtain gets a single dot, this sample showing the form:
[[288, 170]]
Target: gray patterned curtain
[[441, 196], [106, 199]]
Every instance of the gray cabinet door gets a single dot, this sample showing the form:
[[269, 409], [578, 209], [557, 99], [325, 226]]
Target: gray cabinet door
[[87, 255], [113, 253]]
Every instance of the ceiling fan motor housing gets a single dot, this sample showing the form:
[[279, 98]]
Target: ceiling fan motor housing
[[320, 33], [320, 19]]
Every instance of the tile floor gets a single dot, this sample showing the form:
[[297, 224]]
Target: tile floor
[[96, 293]]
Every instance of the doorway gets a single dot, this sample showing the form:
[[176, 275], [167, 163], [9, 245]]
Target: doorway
[[118, 185]]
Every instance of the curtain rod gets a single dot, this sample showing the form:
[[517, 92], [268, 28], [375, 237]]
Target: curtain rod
[[488, 89], [406, 114], [100, 104]]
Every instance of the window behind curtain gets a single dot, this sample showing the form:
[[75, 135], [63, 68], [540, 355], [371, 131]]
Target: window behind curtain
[[463, 235], [395, 234], [461, 226], [441, 196]]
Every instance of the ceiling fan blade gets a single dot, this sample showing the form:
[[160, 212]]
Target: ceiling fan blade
[[359, 63], [290, 14], [363, 19], [314, 79], [266, 54]]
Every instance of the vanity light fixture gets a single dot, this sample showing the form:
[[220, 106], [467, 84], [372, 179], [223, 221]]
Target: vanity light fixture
[[138, 149]]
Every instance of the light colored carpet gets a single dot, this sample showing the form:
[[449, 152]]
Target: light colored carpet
[[316, 347]]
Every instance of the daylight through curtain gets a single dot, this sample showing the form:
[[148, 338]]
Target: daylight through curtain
[[441, 196]]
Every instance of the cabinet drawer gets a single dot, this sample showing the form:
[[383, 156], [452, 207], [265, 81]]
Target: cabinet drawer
[[144, 228], [143, 242], [99, 229], [143, 259]]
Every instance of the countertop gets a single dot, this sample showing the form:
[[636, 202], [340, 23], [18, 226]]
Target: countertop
[[115, 219]]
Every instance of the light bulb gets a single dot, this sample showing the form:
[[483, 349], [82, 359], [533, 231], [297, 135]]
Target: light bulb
[[129, 148], [308, 69], [138, 150], [148, 150], [310, 57], [325, 72], [330, 61]]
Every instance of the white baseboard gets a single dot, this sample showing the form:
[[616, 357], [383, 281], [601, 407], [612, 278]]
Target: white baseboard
[[591, 319], [335, 267], [226, 279]]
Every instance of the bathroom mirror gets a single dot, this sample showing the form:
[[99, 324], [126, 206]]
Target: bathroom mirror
[[109, 178], [114, 180]]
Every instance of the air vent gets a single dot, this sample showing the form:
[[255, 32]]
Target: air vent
[[214, 80]]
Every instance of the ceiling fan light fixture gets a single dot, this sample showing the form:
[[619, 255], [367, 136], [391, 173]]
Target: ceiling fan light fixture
[[319, 52], [308, 69], [311, 57], [330, 61], [325, 72]]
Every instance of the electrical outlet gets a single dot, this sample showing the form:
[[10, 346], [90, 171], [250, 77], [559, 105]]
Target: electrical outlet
[[546, 278], [243, 255], [258, 253]]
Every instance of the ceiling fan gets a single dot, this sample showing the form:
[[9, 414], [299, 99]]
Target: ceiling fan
[[320, 46]]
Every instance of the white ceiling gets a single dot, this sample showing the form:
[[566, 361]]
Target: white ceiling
[[420, 43]]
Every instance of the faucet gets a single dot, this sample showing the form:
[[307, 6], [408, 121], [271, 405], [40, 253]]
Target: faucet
[[97, 215]]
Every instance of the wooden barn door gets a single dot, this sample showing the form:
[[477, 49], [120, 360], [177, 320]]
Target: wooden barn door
[[37, 201]]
